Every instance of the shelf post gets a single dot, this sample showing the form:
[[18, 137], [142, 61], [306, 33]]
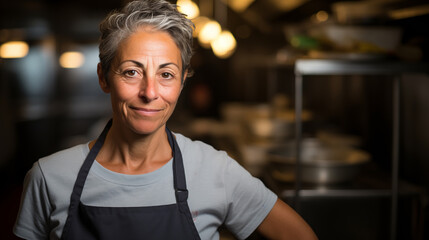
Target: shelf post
[[395, 155], [298, 137]]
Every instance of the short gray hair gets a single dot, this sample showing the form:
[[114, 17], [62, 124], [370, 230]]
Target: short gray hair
[[159, 14]]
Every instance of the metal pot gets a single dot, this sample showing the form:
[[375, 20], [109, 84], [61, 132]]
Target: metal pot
[[270, 128], [320, 163]]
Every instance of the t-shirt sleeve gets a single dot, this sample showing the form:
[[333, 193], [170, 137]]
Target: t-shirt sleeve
[[249, 200], [33, 215]]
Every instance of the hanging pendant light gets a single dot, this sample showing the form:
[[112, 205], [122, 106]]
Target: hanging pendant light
[[72, 60], [14, 49], [209, 32], [189, 8], [224, 45]]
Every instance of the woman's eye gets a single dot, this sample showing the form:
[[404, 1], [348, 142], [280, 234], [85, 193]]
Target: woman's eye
[[130, 73], [166, 75]]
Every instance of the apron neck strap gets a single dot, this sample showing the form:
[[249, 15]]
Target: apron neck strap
[[84, 170], [178, 169], [82, 175]]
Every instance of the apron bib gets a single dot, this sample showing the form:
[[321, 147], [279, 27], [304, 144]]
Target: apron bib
[[173, 221]]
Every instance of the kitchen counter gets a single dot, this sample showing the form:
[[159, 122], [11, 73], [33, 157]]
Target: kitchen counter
[[359, 209]]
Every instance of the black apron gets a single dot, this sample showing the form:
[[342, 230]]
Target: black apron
[[172, 221]]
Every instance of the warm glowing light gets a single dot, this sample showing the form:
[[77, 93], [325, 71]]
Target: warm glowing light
[[239, 5], [72, 60], [14, 49], [224, 45], [209, 32], [189, 8], [322, 16], [199, 22]]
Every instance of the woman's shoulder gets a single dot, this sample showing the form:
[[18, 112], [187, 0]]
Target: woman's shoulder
[[54, 175], [67, 154], [202, 159], [64, 162], [198, 149]]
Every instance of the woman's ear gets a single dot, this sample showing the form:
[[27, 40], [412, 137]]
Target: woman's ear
[[102, 80]]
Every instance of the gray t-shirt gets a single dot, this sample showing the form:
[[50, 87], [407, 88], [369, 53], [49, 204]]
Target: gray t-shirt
[[220, 191]]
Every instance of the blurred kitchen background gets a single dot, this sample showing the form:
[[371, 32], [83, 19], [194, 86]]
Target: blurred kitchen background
[[242, 99]]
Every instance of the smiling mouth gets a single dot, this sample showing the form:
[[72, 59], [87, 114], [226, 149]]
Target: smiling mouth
[[146, 110]]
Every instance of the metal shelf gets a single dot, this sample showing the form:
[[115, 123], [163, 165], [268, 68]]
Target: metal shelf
[[305, 67], [348, 67]]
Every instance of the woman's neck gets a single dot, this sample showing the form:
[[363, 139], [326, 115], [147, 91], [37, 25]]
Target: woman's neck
[[127, 152]]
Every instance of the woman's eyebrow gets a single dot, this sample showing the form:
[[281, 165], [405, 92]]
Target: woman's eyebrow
[[167, 64], [139, 64]]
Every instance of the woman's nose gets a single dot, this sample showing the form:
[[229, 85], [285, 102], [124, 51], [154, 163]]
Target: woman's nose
[[148, 89]]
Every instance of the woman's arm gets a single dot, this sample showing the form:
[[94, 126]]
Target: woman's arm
[[33, 215], [284, 223]]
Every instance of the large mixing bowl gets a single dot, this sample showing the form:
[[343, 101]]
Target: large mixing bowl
[[320, 164]]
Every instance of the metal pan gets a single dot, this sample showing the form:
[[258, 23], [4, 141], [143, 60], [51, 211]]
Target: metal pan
[[320, 164]]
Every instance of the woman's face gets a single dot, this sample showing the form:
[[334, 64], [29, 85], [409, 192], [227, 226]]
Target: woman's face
[[144, 81]]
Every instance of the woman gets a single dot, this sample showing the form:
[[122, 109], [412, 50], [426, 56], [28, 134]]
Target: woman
[[139, 180]]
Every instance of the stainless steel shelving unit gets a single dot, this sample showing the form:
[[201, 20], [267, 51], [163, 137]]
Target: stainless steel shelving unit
[[306, 67]]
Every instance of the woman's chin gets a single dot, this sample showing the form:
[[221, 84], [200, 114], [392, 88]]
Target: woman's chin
[[146, 128]]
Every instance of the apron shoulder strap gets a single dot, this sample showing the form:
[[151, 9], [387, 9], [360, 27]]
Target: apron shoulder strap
[[178, 170], [82, 175]]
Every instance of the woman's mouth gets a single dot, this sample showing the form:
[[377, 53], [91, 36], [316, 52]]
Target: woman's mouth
[[146, 111]]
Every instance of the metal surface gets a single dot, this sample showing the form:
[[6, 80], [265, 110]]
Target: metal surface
[[320, 164], [338, 193], [355, 67]]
